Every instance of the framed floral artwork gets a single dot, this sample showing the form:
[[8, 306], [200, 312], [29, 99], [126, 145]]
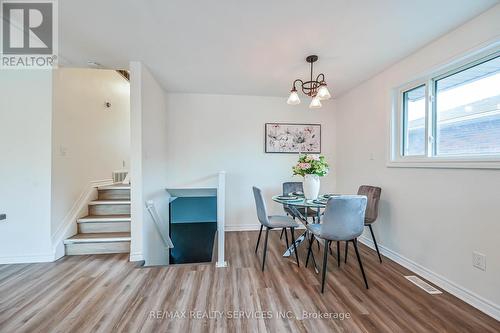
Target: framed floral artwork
[[292, 138]]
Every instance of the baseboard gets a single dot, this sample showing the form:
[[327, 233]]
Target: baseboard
[[480, 303], [242, 227], [248, 227], [137, 256], [26, 259]]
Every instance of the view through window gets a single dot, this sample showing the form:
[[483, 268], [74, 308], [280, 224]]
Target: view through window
[[464, 115]]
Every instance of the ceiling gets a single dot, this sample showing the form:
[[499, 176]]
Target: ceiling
[[254, 47]]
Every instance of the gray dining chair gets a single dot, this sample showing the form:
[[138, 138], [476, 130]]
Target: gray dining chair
[[272, 222], [373, 194], [343, 220], [290, 187]]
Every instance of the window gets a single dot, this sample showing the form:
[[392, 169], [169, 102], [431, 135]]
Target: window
[[414, 122], [468, 111], [450, 116]]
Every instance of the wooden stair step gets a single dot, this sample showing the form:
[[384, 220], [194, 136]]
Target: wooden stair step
[[104, 223], [109, 207], [98, 243], [105, 218], [114, 187], [113, 192], [109, 202], [99, 238]]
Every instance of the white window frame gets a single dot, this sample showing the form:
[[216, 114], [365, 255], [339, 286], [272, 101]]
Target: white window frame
[[429, 159]]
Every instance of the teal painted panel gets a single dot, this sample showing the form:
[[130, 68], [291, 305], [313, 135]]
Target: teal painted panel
[[193, 209]]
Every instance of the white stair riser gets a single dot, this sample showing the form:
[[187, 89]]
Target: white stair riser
[[111, 209], [97, 248], [114, 194], [97, 227]]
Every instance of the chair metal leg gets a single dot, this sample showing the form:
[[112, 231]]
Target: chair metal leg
[[375, 242], [292, 231], [265, 248], [258, 239], [282, 231], [309, 250], [330, 248], [338, 253], [346, 250], [286, 238], [359, 261], [325, 259]]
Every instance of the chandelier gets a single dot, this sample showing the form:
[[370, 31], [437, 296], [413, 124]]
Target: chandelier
[[317, 89]]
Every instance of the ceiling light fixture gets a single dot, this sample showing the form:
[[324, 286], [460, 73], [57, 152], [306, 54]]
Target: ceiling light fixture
[[317, 89]]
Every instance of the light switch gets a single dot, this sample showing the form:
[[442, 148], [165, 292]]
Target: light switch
[[63, 150]]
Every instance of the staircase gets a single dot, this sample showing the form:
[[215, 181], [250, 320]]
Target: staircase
[[107, 227]]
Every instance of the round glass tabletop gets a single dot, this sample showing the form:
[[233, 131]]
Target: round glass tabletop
[[301, 202]]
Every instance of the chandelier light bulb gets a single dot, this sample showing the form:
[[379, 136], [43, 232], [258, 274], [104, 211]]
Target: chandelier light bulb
[[323, 92], [293, 99], [315, 103]]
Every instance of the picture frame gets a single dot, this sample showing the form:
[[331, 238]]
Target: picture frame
[[292, 138]]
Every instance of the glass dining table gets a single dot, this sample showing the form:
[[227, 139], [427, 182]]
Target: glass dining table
[[299, 207]]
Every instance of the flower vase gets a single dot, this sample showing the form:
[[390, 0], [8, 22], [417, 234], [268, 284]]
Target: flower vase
[[311, 187]]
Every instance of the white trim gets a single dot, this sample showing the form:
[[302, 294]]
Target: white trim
[[251, 227], [137, 207], [221, 264], [221, 219], [99, 219], [102, 239], [437, 163], [137, 256], [242, 227], [27, 259], [480, 303], [68, 226]]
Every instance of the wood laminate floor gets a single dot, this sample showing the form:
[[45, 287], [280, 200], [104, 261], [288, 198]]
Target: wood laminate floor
[[106, 293]]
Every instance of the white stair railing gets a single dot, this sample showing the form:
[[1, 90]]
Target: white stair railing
[[167, 242]]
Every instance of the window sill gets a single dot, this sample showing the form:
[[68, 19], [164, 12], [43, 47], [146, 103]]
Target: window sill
[[438, 163]]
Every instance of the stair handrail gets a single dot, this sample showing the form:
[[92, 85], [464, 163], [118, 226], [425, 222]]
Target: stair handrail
[[157, 221]]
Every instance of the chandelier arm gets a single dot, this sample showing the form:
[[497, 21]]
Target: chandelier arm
[[322, 76], [295, 82]]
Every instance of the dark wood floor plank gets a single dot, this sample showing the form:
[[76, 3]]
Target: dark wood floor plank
[[104, 293]]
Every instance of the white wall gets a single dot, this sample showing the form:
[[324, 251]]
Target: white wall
[[433, 217], [209, 133], [25, 150], [89, 140], [149, 164]]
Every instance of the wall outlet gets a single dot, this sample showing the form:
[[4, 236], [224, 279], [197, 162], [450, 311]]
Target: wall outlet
[[479, 260]]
